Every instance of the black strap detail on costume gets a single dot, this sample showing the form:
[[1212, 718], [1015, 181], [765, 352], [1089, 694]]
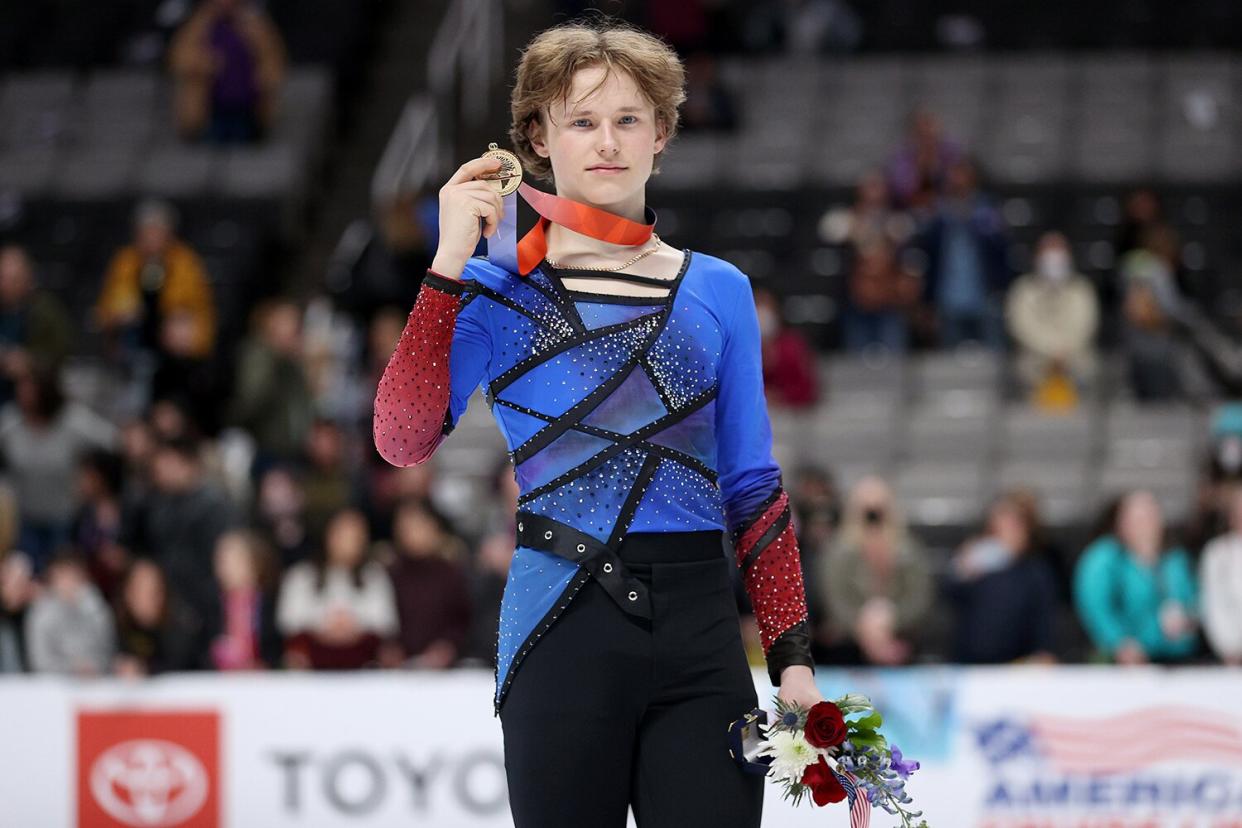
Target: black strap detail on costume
[[756, 514], [444, 284], [654, 427], [771, 534], [501, 299], [692, 463], [448, 425], [641, 481], [623, 277], [793, 646], [534, 361], [600, 559]]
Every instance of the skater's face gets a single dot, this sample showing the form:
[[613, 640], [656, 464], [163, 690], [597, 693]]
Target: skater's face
[[601, 140]]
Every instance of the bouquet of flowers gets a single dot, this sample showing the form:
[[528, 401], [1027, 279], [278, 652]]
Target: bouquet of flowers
[[833, 752]]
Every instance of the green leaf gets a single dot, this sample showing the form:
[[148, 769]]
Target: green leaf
[[870, 722], [869, 738]]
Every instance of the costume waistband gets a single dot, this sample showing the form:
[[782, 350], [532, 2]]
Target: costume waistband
[[672, 547]]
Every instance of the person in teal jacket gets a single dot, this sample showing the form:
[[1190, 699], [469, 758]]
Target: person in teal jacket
[[1136, 598]]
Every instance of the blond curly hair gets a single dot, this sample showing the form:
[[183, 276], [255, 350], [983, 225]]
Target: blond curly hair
[[545, 75]]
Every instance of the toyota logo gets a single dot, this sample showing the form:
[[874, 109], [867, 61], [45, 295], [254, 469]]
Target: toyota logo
[[149, 783]]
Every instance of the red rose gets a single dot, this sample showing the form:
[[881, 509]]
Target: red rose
[[825, 726], [824, 785]]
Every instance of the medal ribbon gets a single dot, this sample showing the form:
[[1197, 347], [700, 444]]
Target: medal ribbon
[[521, 257]]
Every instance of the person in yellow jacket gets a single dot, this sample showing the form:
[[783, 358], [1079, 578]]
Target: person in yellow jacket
[[157, 286]]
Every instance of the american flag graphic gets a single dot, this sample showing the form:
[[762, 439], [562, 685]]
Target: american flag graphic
[[1135, 740], [860, 806]]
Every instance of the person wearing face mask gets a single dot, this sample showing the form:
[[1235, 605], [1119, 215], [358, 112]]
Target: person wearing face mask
[[1053, 314]]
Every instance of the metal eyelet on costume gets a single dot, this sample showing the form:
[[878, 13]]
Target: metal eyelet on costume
[[519, 527], [582, 547], [548, 534], [633, 596], [608, 567]]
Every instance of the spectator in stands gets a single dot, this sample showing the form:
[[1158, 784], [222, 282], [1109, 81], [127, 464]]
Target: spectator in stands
[[918, 172], [1135, 593], [789, 376], [179, 522], [1221, 480], [802, 27], [1004, 593], [1142, 213], [490, 571], [35, 328], [18, 590], [229, 62], [273, 400], [881, 293], [967, 262], [1150, 304], [338, 610], [709, 102], [877, 584], [155, 278], [280, 515], [69, 628], [814, 501], [1220, 582], [42, 436], [327, 483], [872, 218], [433, 600], [242, 626], [155, 632], [1053, 315], [96, 529]]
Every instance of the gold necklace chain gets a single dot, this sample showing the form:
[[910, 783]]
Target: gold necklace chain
[[644, 254]]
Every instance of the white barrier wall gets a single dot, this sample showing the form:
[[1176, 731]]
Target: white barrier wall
[[1001, 748]]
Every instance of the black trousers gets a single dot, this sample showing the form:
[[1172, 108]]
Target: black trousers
[[609, 710]]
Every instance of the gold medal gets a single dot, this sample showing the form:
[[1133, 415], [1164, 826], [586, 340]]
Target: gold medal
[[509, 177]]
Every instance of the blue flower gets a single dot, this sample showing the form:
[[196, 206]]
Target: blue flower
[[904, 768], [790, 719]]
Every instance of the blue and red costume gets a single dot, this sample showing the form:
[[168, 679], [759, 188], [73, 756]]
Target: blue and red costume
[[622, 415]]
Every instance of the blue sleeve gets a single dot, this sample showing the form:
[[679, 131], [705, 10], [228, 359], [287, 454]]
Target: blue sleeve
[[1093, 590], [748, 473]]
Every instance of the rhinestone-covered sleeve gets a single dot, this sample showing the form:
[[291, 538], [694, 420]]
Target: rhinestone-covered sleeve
[[755, 504], [423, 390], [767, 553]]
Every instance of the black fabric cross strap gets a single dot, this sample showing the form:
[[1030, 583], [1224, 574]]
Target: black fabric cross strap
[[596, 557]]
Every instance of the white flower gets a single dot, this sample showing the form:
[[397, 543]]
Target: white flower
[[791, 755]]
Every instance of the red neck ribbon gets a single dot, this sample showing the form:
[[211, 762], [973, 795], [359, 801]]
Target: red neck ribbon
[[581, 218]]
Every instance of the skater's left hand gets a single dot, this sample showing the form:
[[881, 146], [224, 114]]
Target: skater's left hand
[[798, 686]]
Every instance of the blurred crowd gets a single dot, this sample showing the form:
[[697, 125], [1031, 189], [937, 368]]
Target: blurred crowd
[[1136, 593], [179, 501], [204, 512], [193, 517], [930, 264]]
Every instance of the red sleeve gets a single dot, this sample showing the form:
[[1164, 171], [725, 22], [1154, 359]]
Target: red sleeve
[[767, 553], [412, 400]]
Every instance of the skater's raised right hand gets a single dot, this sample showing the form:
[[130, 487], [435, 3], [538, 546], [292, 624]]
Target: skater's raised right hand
[[464, 200]]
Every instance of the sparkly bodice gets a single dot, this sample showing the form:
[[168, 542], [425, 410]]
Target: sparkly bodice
[[621, 413]]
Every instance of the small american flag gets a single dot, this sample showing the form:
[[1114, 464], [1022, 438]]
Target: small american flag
[[860, 806], [1124, 743]]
